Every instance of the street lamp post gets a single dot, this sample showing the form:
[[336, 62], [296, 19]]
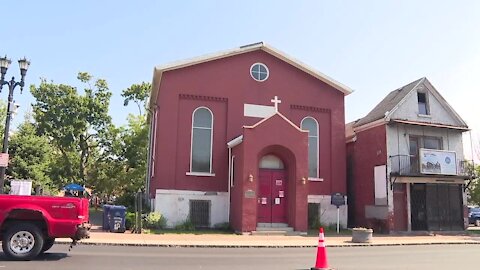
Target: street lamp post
[[4, 63]]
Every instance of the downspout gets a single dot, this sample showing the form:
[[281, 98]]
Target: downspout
[[231, 158], [151, 138], [229, 182], [149, 155]]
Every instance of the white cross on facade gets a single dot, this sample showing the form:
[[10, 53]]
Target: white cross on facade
[[276, 101]]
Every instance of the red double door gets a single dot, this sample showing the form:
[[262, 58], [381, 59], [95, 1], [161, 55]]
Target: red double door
[[272, 196]]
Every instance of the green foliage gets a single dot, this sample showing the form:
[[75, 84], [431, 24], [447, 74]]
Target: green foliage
[[225, 226], [127, 199], [155, 221], [474, 188], [331, 227], [314, 224], [124, 163], [75, 123], [129, 220], [137, 93], [72, 139], [187, 225], [31, 156], [135, 142]]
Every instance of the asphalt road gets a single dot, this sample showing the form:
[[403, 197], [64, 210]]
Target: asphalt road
[[144, 258]]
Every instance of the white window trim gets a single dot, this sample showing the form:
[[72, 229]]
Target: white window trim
[[314, 179], [258, 63], [210, 173], [318, 147], [199, 174]]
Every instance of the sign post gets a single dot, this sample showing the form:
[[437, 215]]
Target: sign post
[[338, 199]]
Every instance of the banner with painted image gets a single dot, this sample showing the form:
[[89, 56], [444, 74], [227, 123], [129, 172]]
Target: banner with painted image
[[438, 162]]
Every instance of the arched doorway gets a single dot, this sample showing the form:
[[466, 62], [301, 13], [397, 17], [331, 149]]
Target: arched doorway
[[272, 190]]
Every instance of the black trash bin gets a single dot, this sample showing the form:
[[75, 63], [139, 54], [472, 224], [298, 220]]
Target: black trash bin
[[117, 216], [106, 218]]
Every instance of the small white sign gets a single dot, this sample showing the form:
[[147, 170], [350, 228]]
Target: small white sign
[[260, 111], [264, 200], [438, 162], [281, 193], [277, 200], [3, 160], [21, 187]]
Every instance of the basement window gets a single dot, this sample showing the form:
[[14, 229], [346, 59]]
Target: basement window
[[200, 213]]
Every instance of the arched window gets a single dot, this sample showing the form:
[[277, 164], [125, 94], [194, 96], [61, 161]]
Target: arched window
[[310, 124], [271, 162], [202, 137]]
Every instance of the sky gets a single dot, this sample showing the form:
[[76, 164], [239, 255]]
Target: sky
[[373, 47]]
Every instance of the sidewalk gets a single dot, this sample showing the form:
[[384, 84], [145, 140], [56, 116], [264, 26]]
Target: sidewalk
[[235, 241]]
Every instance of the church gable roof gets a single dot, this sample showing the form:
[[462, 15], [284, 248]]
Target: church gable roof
[[272, 116], [158, 70], [239, 139]]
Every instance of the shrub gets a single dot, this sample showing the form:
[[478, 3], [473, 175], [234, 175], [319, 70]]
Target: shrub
[[223, 226], [315, 224], [129, 220], [127, 200], [187, 225], [154, 221]]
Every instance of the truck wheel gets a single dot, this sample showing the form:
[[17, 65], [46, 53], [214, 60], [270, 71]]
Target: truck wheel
[[22, 242], [47, 244]]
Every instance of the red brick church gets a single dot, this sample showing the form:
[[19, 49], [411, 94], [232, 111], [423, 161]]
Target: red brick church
[[250, 137]]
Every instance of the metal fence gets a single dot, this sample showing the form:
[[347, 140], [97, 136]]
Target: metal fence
[[407, 165]]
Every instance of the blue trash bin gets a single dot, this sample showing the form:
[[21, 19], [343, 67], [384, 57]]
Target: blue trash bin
[[117, 216], [106, 218]]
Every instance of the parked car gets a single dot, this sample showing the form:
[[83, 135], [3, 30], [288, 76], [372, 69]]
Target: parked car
[[30, 224], [474, 215]]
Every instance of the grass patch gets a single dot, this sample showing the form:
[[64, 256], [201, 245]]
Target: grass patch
[[327, 232], [173, 231], [473, 232]]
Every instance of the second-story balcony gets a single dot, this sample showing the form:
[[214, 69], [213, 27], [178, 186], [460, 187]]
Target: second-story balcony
[[408, 165]]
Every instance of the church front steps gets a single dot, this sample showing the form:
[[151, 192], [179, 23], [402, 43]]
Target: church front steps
[[273, 229]]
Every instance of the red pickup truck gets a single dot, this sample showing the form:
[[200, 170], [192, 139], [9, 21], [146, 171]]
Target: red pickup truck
[[30, 224]]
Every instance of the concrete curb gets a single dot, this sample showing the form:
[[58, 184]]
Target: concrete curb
[[262, 246]]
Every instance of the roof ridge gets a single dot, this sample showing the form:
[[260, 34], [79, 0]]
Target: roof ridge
[[158, 70], [388, 103]]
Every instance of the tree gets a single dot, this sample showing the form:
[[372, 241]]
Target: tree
[[135, 137], [30, 156], [75, 123], [137, 93], [474, 188], [135, 142], [122, 167]]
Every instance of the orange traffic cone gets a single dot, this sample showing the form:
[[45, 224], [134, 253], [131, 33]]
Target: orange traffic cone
[[322, 262]]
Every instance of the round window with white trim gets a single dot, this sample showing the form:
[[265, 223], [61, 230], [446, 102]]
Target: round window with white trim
[[259, 72]]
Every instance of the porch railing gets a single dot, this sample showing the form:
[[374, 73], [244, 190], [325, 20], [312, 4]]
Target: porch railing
[[406, 165]]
